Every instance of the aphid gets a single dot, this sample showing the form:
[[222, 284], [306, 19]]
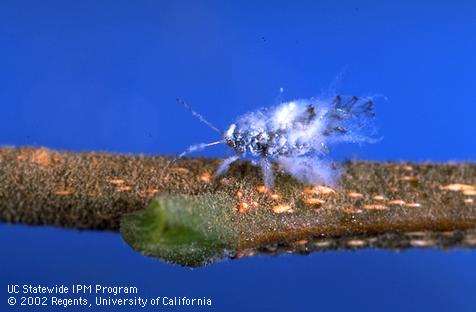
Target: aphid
[[295, 134]]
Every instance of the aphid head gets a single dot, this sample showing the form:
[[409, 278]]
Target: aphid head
[[229, 136], [235, 139]]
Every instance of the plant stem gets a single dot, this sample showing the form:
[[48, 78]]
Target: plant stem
[[94, 190]]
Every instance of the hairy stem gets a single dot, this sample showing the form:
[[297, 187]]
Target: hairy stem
[[94, 191]]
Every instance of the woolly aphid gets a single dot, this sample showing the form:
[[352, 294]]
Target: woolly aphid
[[295, 134]]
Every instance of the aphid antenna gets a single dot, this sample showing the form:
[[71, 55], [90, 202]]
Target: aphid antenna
[[199, 116], [198, 147], [193, 148]]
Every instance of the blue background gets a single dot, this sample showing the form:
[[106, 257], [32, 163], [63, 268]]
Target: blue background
[[103, 75]]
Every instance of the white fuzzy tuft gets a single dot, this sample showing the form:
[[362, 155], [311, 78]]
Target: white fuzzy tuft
[[297, 134]]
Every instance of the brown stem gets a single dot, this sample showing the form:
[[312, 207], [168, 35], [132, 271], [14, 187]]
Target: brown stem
[[93, 191]]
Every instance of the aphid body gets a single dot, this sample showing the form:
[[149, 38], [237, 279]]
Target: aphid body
[[296, 135]]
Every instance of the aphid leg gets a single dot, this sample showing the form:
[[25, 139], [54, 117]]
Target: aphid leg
[[312, 170], [225, 165], [267, 170]]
